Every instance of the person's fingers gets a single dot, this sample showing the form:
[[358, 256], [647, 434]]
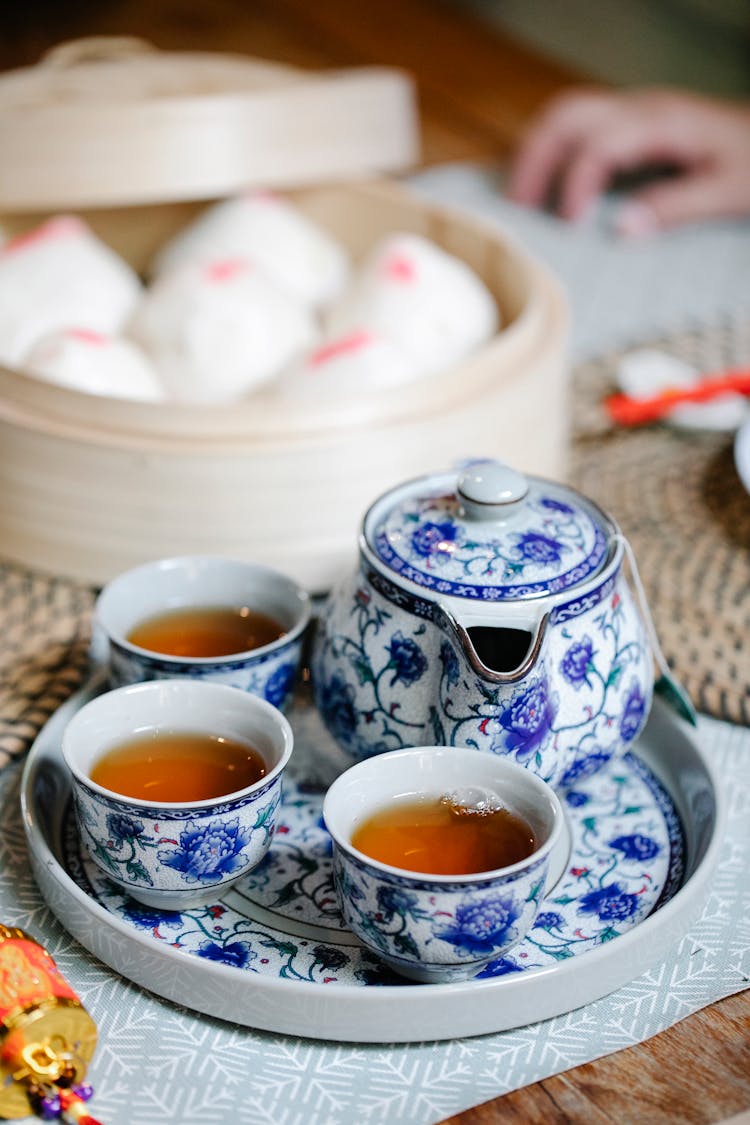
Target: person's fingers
[[537, 166], [585, 138], [546, 149], [623, 144], [690, 198], [585, 177]]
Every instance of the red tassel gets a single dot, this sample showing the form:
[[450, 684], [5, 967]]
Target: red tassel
[[74, 1110], [77, 1116]]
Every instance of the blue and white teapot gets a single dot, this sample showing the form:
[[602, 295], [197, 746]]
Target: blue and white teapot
[[489, 610]]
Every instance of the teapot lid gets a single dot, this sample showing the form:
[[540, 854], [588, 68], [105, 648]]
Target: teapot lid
[[488, 532]]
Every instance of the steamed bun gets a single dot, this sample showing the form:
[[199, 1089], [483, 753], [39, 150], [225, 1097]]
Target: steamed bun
[[92, 362], [362, 361], [279, 239], [216, 332], [60, 275], [424, 300]]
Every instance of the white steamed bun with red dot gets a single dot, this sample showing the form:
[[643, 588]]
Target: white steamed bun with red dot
[[361, 361], [296, 253], [215, 332], [427, 302], [60, 275], [97, 364]]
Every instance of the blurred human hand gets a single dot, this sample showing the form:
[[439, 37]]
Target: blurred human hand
[[583, 138]]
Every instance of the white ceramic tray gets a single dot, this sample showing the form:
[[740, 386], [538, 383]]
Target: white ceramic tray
[[643, 841]]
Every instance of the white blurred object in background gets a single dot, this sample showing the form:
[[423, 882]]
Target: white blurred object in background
[[649, 371]]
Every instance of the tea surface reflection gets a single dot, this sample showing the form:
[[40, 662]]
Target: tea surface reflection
[[178, 766], [206, 631], [438, 837]]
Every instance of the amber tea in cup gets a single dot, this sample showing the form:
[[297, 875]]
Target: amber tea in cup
[[197, 631], [178, 766], [229, 621], [455, 867], [171, 845], [440, 836]]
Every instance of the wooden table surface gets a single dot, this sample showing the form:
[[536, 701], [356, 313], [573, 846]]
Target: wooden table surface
[[477, 89]]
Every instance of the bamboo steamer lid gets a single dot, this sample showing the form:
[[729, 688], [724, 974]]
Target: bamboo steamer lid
[[102, 122], [135, 141]]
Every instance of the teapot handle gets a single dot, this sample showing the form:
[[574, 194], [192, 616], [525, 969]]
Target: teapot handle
[[667, 685]]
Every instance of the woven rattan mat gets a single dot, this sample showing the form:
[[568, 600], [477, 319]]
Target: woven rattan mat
[[44, 638], [678, 499], [675, 494]]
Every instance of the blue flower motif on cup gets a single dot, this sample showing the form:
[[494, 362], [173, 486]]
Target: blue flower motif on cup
[[537, 548], [396, 902], [610, 903], [480, 927], [527, 722], [351, 891], [434, 539], [279, 684], [208, 852], [237, 953], [636, 847], [336, 704], [577, 663], [122, 827], [634, 712], [407, 660]]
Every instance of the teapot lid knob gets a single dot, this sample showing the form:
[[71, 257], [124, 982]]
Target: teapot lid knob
[[491, 490]]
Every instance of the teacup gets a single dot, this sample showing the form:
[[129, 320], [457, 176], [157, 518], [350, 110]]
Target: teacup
[[174, 855], [444, 927], [204, 583]]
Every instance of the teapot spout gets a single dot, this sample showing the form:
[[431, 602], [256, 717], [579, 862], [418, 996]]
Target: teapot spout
[[502, 653]]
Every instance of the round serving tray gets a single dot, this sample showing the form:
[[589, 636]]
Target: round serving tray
[[281, 961]]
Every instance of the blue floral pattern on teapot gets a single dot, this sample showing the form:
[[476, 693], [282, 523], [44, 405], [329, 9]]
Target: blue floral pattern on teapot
[[395, 662]]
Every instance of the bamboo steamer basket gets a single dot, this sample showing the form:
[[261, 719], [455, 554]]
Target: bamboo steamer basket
[[90, 486]]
